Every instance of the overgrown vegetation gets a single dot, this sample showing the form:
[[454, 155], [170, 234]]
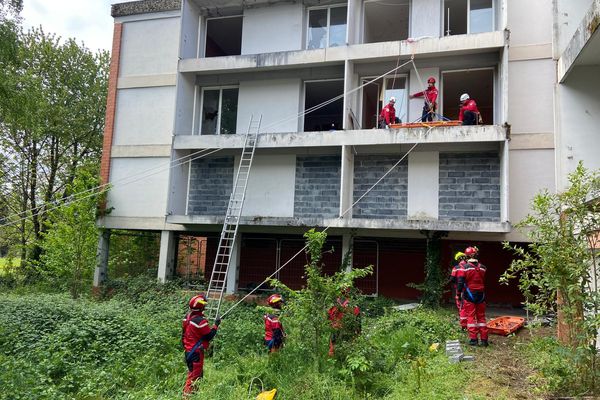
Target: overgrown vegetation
[[558, 272]]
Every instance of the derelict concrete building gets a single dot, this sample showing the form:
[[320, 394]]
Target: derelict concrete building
[[186, 77]]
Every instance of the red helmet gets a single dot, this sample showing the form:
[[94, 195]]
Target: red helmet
[[275, 300], [471, 251], [431, 79], [198, 302]]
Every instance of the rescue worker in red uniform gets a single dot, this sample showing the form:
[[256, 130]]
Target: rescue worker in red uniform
[[430, 96], [345, 321], [471, 284], [469, 113], [195, 337], [387, 115], [274, 333], [460, 259]]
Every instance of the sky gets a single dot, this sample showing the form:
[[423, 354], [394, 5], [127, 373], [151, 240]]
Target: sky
[[87, 21]]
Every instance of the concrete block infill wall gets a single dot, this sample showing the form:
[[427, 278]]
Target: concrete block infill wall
[[389, 198], [317, 192], [469, 187], [211, 182]]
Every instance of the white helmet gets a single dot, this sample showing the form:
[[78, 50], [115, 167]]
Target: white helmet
[[464, 97], [392, 99]]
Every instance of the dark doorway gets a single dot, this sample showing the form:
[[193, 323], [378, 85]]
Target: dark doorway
[[223, 37], [328, 117]]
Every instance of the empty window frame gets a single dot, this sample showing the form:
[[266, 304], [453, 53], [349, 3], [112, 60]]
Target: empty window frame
[[376, 95], [326, 27], [468, 16], [478, 83], [329, 116], [219, 110], [386, 20], [223, 37]]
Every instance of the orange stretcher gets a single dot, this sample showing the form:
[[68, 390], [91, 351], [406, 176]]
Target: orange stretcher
[[425, 124], [505, 325]]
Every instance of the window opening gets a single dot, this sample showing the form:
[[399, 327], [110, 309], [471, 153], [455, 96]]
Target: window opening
[[326, 27], [219, 111], [328, 117], [468, 16], [377, 94], [478, 83], [386, 20], [223, 37]]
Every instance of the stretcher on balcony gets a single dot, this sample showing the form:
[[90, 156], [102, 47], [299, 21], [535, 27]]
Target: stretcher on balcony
[[505, 325], [425, 124]]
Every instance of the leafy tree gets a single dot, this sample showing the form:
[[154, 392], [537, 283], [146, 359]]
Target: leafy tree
[[560, 264], [70, 242], [51, 123]]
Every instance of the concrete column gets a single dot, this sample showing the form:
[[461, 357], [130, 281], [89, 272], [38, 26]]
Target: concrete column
[[347, 241], [504, 186], [234, 266], [347, 182], [166, 260], [423, 185], [101, 272]]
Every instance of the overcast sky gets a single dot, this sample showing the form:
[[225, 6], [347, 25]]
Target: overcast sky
[[87, 21]]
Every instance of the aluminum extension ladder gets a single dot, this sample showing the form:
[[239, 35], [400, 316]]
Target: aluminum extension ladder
[[218, 277]]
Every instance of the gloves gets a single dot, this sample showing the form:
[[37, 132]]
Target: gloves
[[217, 321]]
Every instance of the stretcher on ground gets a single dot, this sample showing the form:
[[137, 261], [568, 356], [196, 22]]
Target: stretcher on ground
[[425, 124], [505, 325]]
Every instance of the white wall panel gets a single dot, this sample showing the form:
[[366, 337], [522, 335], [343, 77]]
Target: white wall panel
[[274, 28], [423, 185]]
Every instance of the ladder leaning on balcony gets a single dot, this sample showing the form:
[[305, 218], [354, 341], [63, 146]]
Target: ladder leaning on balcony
[[218, 277]]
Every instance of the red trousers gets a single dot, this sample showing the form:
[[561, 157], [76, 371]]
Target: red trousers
[[476, 324], [462, 316], [194, 374]]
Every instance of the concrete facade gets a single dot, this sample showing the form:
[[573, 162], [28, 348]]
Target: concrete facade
[[472, 182]]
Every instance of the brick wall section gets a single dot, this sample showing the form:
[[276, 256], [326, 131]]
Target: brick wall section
[[389, 198], [211, 183], [469, 187], [111, 103], [317, 193]]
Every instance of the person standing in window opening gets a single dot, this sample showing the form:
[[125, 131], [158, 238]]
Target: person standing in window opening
[[469, 113], [430, 95], [388, 114]]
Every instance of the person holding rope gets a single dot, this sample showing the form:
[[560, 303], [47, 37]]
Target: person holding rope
[[430, 96], [274, 334], [388, 114], [195, 337], [469, 113]]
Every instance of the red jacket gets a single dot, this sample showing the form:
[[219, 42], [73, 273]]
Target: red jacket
[[468, 105], [272, 323], [336, 313], [431, 93], [388, 114], [472, 277], [194, 327]]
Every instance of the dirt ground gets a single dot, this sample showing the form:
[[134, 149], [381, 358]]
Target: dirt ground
[[500, 371]]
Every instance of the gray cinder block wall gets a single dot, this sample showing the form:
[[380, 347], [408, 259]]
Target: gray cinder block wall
[[317, 192], [211, 182], [469, 187]]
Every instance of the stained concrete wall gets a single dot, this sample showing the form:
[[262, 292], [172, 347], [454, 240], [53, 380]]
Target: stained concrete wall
[[579, 119], [132, 196], [317, 192], [144, 116], [389, 198], [274, 28], [567, 19], [274, 99], [270, 191], [530, 22], [149, 47]]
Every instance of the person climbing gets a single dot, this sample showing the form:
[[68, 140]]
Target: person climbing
[[430, 96], [274, 333], [345, 321], [388, 114], [469, 113], [471, 284], [195, 337], [460, 259]]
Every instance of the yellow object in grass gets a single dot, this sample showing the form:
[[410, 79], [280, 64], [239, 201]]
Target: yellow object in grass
[[434, 347], [268, 395]]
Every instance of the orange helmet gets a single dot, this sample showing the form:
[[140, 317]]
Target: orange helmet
[[198, 302], [471, 251], [275, 300], [431, 79]]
